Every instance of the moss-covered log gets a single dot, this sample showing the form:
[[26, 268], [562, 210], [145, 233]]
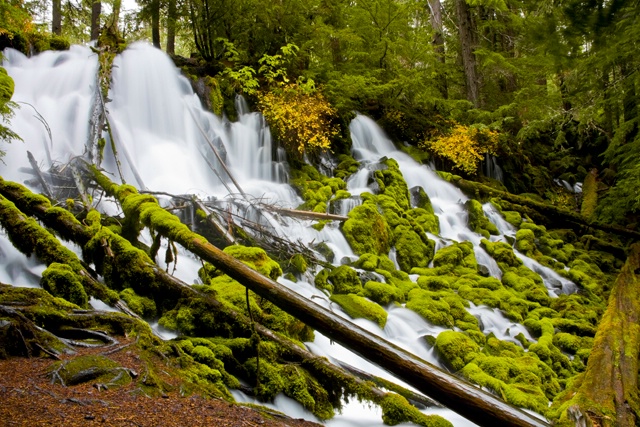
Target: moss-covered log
[[540, 212], [305, 214], [607, 393], [469, 401]]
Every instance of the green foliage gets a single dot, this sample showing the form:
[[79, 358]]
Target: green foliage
[[6, 107]]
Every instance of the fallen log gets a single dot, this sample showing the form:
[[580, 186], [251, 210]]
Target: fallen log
[[469, 401], [305, 214], [545, 213], [607, 393]]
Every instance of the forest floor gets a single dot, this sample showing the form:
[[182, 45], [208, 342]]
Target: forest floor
[[28, 398]]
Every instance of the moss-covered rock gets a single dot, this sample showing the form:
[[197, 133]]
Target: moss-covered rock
[[345, 280], [477, 221], [396, 409], [360, 307], [456, 348], [383, 293], [367, 231], [142, 306]]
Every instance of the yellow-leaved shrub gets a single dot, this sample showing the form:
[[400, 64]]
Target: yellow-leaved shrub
[[464, 146], [300, 118]]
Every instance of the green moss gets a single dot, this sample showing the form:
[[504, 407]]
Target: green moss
[[61, 281], [392, 183], [255, 258], [383, 293], [411, 248], [525, 241], [396, 409], [321, 280], [502, 253], [428, 221], [435, 283], [298, 264], [96, 368], [359, 307], [346, 167], [456, 348], [367, 231], [430, 306], [142, 306], [345, 280], [477, 221], [373, 262]]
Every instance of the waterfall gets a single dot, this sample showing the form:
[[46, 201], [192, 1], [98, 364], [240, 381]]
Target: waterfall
[[163, 139]]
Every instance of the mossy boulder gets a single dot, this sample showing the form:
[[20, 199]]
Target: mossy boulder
[[477, 221], [396, 409], [383, 293], [345, 280], [525, 241], [360, 307], [431, 307], [502, 253], [367, 231], [373, 262], [412, 249], [456, 348]]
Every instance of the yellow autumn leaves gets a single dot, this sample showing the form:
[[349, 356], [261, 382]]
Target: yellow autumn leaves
[[300, 118], [464, 146]]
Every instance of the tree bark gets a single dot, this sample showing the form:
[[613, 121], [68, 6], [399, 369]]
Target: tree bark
[[608, 391], [96, 9], [305, 214], [466, 33], [56, 15], [469, 401], [155, 23], [435, 18], [171, 27]]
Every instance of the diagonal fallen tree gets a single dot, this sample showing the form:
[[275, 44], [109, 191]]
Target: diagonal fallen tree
[[471, 402]]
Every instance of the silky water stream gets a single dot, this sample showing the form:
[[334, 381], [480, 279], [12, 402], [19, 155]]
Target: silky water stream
[[163, 138]]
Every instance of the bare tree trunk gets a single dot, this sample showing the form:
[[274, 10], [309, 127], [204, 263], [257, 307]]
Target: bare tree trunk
[[468, 43], [96, 9], [56, 21], [435, 17], [171, 27], [155, 23]]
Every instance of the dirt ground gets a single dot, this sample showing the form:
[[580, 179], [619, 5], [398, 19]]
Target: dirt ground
[[29, 399]]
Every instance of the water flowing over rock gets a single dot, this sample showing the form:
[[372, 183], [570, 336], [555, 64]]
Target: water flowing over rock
[[164, 140]]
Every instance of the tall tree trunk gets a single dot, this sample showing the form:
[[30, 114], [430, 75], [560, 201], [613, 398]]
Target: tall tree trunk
[[467, 36], [155, 23], [171, 27], [435, 18], [56, 21], [96, 9]]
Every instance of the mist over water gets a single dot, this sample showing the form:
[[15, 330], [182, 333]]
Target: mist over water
[[164, 141]]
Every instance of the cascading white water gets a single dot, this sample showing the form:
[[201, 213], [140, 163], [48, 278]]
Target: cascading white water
[[163, 138]]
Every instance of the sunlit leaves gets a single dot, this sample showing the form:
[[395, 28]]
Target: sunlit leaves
[[299, 118], [464, 146]]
